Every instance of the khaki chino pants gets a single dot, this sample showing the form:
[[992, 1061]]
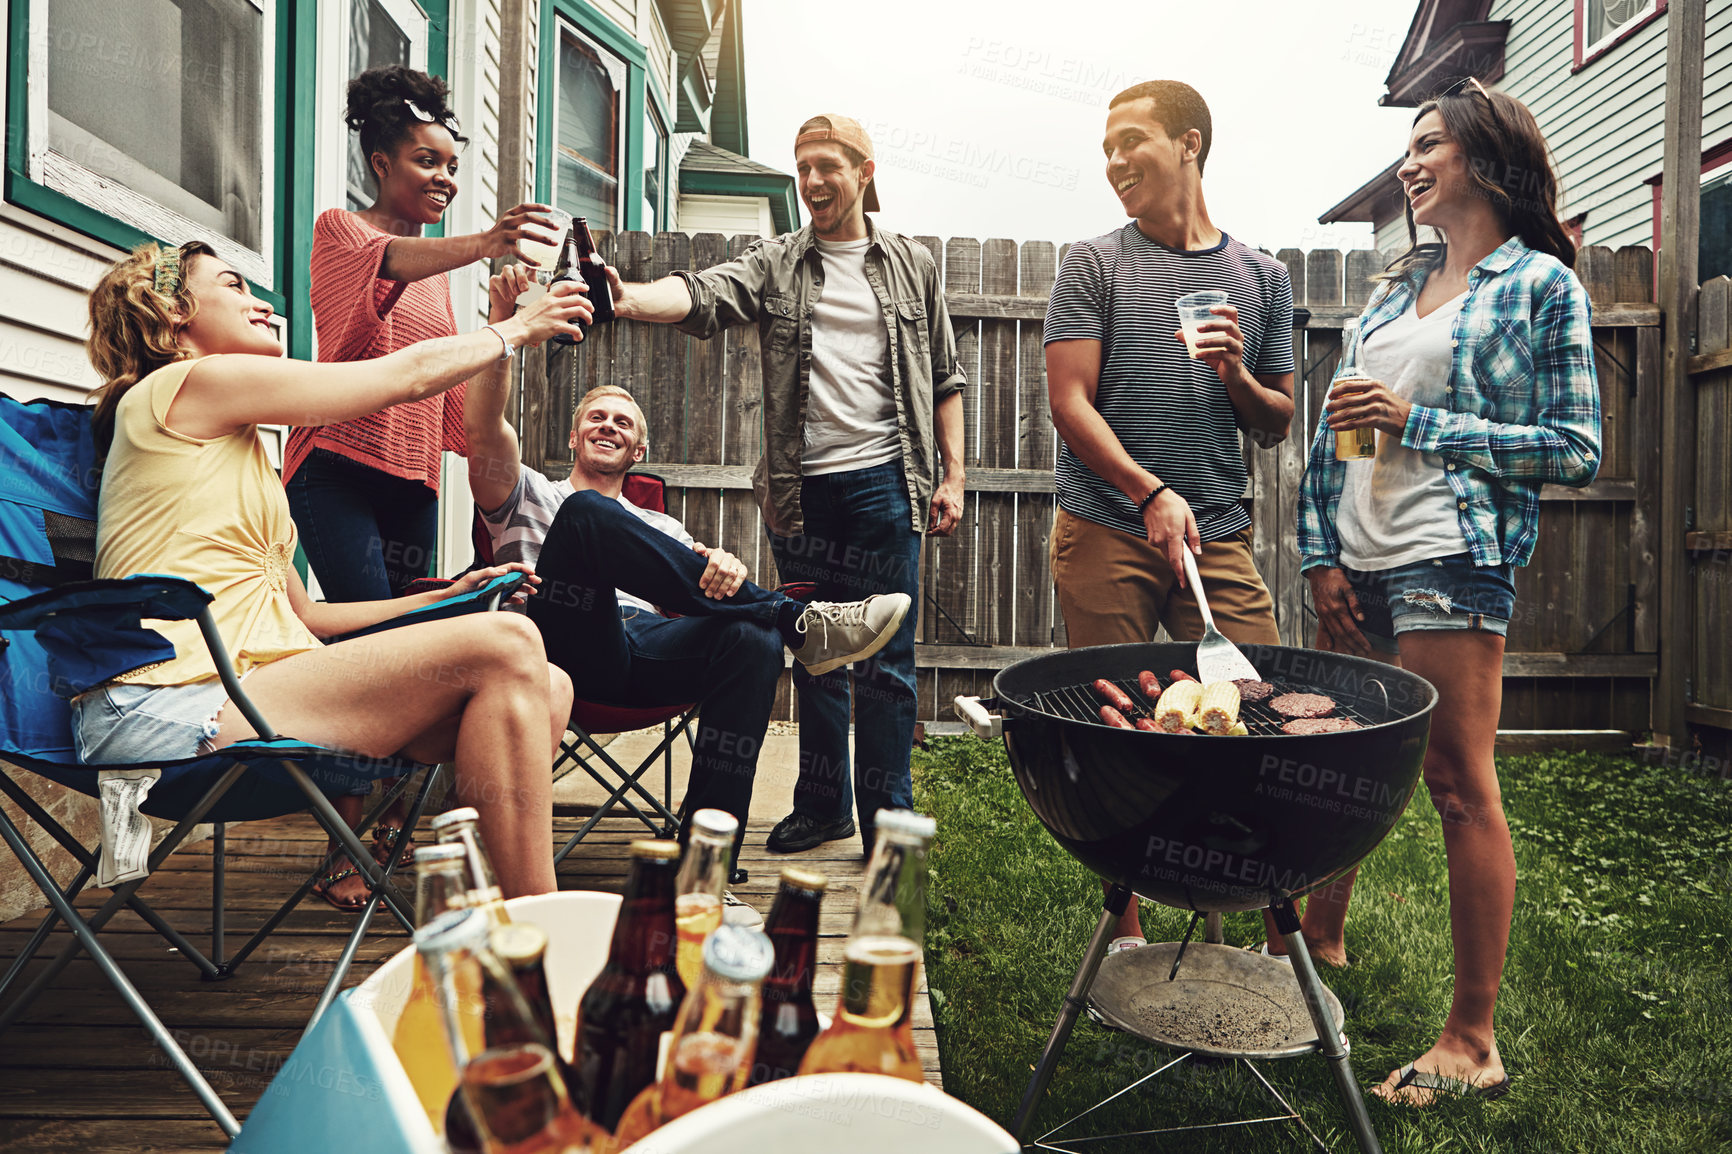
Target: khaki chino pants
[[1115, 588]]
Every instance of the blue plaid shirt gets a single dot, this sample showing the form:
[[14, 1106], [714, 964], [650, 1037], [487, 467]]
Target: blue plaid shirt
[[1524, 407]]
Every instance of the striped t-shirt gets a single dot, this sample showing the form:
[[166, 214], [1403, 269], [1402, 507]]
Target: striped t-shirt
[[359, 315], [1172, 414], [519, 526]]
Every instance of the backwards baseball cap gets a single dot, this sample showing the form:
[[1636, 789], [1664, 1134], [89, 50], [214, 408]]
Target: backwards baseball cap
[[845, 131]]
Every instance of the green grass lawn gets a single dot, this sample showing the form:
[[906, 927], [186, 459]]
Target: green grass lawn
[[1615, 1018]]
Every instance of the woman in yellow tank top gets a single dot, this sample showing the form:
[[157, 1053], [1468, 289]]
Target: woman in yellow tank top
[[192, 369]]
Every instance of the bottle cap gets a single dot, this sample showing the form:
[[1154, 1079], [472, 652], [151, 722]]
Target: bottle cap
[[444, 851], [452, 817], [518, 943], [656, 850], [738, 954], [716, 822], [452, 930], [905, 822], [805, 879]]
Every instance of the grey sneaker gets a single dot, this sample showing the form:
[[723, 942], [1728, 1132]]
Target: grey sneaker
[[839, 632]]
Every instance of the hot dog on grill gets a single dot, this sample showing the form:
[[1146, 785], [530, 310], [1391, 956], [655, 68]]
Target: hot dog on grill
[[1179, 675], [1115, 696], [1147, 725], [1114, 718], [1150, 685]]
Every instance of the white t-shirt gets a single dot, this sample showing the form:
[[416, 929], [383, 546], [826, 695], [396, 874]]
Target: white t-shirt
[[850, 410], [1397, 508], [519, 526]]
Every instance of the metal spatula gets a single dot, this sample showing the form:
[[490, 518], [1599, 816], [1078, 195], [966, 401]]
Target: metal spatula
[[1217, 658]]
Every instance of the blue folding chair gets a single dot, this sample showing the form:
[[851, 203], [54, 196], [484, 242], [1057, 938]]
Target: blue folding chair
[[62, 632]]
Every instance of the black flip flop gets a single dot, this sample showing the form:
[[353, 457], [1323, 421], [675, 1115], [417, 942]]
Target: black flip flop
[[1444, 1084]]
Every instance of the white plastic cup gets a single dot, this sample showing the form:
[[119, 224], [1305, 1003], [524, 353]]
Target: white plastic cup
[[1195, 309]]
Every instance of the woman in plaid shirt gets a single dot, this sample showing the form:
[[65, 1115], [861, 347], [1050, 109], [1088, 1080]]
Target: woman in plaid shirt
[[1484, 390]]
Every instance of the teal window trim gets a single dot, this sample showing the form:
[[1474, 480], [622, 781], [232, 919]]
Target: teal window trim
[[590, 21], [784, 204], [99, 225], [669, 177]]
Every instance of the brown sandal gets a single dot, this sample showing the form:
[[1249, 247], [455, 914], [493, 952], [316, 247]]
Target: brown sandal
[[352, 905], [385, 839]]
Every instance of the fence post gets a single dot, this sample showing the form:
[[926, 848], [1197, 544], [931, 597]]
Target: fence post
[[1680, 217]]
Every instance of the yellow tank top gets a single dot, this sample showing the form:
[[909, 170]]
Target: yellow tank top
[[212, 511]]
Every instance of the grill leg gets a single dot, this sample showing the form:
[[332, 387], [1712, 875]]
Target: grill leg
[[1328, 1040], [1117, 899]]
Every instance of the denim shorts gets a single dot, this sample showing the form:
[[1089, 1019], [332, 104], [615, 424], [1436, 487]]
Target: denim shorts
[[126, 724], [1443, 593]]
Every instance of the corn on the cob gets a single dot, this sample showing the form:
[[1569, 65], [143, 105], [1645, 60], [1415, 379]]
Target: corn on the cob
[[1218, 710], [1177, 708]]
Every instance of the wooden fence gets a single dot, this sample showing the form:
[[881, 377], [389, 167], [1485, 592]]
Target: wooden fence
[[1708, 518], [1581, 651]]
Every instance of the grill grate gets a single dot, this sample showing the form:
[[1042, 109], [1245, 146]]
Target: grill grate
[[1082, 703]]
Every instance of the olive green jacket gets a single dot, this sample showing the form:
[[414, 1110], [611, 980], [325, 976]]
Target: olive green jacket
[[775, 283]]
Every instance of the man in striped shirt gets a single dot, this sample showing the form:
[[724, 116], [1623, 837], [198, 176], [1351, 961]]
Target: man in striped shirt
[[1151, 462]]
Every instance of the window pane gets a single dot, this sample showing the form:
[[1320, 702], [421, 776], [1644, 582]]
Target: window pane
[[587, 142], [374, 39], [655, 163], [1714, 257], [163, 97], [1605, 17]]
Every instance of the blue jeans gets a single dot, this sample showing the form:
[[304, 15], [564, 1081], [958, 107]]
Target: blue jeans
[[1442, 593], [858, 540], [726, 653], [367, 534]]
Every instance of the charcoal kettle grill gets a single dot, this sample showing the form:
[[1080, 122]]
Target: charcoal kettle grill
[[1210, 824]]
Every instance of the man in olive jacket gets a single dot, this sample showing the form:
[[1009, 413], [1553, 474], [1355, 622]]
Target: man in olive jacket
[[862, 394]]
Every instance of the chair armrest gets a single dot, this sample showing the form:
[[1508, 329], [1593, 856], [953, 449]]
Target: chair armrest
[[489, 596], [152, 595]]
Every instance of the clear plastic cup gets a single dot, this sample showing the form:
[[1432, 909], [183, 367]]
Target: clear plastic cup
[[544, 255], [1194, 311]]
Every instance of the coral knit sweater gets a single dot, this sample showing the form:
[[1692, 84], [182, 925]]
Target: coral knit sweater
[[360, 315]]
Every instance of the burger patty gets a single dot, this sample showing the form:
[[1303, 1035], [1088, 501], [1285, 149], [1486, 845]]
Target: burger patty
[[1254, 691], [1303, 705], [1301, 726]]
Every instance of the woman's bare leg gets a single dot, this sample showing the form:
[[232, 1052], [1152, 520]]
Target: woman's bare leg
[[1466, 666], [475, 690]]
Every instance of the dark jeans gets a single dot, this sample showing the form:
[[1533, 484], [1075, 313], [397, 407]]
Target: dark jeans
[[726, 653], [858, 540], [367, 534]]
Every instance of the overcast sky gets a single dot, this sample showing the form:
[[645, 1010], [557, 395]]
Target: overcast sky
[[987, 117]]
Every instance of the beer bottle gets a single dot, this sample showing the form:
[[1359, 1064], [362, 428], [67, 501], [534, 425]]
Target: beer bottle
[[441, 883], [594, 272], [703, 877], [873, 1032], [711, 1054], [460, 827], [569, 268], [790, 1021], [510, 1096], [637, 995]]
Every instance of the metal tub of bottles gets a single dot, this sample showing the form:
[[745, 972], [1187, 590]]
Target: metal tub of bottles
[[591, 1022]]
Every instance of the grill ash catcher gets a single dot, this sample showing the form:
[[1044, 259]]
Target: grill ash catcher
[[1213, 825]]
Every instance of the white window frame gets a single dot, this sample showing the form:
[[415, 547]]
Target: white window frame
[[1591, 47], [331, 87], [65, 175]]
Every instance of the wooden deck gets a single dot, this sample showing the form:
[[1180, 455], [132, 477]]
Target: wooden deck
[[80, 1074]]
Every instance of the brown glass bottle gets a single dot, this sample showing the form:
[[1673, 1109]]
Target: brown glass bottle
[[789, 1020], [637, 995], [594, 272], [568, 268]]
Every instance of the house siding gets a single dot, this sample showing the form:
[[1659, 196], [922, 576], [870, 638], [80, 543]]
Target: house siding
[[1605, 122]]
